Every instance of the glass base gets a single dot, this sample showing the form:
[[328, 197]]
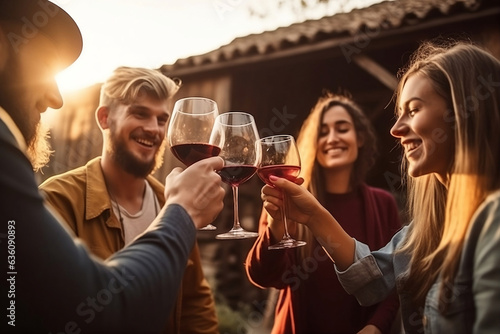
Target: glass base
[[237, 233], [287, 243], [209, 227]]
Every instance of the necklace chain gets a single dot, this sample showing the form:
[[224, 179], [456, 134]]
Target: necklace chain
[[113, 198], [120, 218]]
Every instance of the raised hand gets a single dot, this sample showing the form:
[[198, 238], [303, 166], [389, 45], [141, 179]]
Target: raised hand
[[198, 189], [302, 204], [304, 208]]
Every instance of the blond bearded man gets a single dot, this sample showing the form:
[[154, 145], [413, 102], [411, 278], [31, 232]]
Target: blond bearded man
[[113, 198]]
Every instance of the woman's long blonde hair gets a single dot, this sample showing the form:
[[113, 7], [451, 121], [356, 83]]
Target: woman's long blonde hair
[[468, 78], [307, 143]]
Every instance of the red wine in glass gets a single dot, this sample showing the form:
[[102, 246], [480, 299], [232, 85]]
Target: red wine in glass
[[280, 157], [288, 172], [235, 175], [189, 131], [190, 153], [236, 134]]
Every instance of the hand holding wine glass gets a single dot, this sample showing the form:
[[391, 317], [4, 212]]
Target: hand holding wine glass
[[190, 129], [198, 190], [280, 157], [236, 134]]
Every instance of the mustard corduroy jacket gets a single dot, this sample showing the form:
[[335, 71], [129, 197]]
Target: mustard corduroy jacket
[[81, 199]]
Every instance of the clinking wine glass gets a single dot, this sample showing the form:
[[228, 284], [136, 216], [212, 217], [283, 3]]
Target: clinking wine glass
[[280, 157], [190, 129], [236, 134]]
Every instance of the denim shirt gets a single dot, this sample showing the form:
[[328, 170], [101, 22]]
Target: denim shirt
[[474, 302]]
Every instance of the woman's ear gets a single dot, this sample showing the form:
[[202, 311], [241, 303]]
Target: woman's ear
[[102, 116]]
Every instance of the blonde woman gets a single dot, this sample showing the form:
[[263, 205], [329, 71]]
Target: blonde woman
[[446, 264], [337, 147]]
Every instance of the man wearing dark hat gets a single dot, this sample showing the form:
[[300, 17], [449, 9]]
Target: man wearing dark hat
[[51, 283]]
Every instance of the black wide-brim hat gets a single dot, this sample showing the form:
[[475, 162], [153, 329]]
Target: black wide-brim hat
[[42, 16]]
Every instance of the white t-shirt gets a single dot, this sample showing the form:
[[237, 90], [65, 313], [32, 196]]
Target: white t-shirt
[[135, 224]]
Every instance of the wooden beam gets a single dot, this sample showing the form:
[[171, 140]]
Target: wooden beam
[[376, 70]]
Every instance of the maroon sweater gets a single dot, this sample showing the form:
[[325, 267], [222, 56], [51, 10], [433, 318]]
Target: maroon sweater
[[311, 298]]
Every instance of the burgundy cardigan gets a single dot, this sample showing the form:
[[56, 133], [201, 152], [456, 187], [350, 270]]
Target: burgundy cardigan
[[311, 299]]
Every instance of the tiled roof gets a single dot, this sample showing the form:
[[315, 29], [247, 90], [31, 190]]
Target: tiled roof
[[386, 15]]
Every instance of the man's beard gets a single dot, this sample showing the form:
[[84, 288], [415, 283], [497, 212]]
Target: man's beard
[[35, 133], [36, 136], [130, 163], [12, 95], [39, 149]]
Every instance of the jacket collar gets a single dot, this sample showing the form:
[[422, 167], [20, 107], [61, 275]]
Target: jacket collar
[[98, 200]]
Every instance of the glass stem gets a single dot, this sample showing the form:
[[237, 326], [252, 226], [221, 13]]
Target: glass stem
[[236, 224], [286, 236]]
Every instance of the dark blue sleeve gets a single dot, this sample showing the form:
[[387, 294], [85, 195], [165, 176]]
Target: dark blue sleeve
[[52, 284]]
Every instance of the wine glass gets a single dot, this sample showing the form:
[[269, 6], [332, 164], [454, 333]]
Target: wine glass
[[189, 132], [236, 134], [280, 157]]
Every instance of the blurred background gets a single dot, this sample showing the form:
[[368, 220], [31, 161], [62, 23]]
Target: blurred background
[[272, 59]]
